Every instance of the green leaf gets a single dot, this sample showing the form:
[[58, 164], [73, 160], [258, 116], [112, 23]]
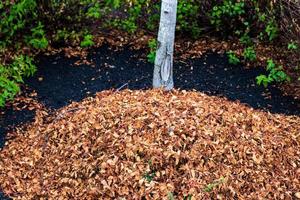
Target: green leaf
[[292, 46], [171, 196], [87, 41]]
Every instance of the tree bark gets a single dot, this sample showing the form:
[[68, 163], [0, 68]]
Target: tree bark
[[163, 68]]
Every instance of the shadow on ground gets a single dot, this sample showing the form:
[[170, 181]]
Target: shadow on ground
[[63, 82]]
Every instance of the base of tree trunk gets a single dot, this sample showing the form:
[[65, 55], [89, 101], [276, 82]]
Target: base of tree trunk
[[163, 68]]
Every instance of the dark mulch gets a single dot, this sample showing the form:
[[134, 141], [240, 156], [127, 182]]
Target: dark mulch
[[63, 82]]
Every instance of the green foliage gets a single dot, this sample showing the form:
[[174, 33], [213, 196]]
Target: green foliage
[[209, 187], [129, 25], [94, 11], [271, 29], [35, 24], [153, 20], [61, 35], [13, 19], [171, 196], [22, 67], [133, 11], [232, 58], [114, 3], [87, 41], [68, 37], [249, 54], [188, 197], [245, 39], [8, 88], [38, 38], [276, 74], [187, 11], [230, 17], [228, 9], [245, 19], [149, 176], [292, 46], [152, 44], [145, 14], [11, 75]]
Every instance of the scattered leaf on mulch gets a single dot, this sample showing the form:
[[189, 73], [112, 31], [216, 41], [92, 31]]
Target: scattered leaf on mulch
[[152, 145], [187, 49]]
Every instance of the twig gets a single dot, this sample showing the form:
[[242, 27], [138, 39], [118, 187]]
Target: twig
[[120, 88], [63, 114]]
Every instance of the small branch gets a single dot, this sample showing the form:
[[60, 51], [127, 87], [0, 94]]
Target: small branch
[[64, 113], [120, 88]]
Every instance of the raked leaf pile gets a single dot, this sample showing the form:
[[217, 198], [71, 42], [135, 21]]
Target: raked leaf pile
[[154, 145]]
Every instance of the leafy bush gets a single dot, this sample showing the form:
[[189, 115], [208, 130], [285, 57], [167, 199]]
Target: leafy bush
[[187, 13], [226, 12], [12, 74], [276, 74], [244, 18], [152, 44], [249, 54], [271, 29], [14, 18], [94, 11], [233, 58], [87, 41], [38, 39], [292, 46]]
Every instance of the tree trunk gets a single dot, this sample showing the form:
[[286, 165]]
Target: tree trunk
[[163, 68]]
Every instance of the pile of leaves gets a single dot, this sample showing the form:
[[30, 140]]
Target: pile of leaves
[[154, 145]]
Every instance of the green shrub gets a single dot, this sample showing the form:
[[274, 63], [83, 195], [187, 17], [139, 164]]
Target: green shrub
[[152, 44], [94, 11], [187, 14], [271, 29], [292, 46], [249, 54], [68, 37], [245, 39], [153, 19], [31, 23], [38, 38], [246, 19], [87, 41], [276, 74], [14, 18], [228, 10], [8, 88], [11, 75], [233, 58]]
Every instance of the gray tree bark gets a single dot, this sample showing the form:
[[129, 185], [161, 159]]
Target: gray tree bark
[[163, 68]]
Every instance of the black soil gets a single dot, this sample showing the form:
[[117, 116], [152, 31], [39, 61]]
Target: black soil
[[63, 82]]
